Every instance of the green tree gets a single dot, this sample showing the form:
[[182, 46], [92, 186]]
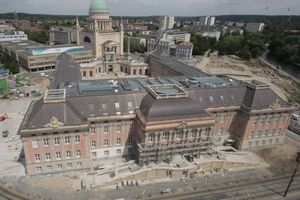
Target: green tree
[[9, 63], [40, 36], [202, 44]]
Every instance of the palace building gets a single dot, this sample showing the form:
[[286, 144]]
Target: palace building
[[78, 123], [179, 111]]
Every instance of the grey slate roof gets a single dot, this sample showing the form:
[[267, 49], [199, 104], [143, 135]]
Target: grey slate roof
[[66, 70], [107, 105], [173, 108], [218, 97], [43, 112], [261, 98], [184, 69]]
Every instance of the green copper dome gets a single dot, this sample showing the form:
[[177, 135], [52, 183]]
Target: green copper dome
[[99, 6]]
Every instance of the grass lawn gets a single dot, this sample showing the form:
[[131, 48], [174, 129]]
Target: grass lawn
[[4, 87]]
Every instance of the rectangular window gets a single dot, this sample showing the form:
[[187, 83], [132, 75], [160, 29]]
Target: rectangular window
[[69, 165], [56, 140], [165, 136], [35, 144], [194, 133], [59, 166], [48, 156], [130, 140], [222, 98], [46, 142], [37, 157], [105, 142], [49, 167], [117, 105], [211, 99], [131, 127], [93, 143], [77, 139], [106, 153], [78, 153], [68, 154], [129, 105], [270, 141], [39, 169], [104, 106], [130, 150], [67, 140], [92, 130], [118, 141], [119, 128], [256, 143], [151, 137], [58, 155], [277, 140], [105, 129], [178, 135], [79, 164], [94, 155], [119, 151]]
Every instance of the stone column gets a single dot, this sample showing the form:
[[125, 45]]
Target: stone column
[[146, 137], [157, 137]]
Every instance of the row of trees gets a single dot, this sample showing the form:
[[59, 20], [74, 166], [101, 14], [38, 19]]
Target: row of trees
[[245, 46], [285, 47], [202, 44], [40, 36]]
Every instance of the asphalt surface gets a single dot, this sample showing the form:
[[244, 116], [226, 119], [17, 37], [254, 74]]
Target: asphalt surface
[[267, 189]]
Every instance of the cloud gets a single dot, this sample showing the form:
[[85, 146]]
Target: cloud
[[156, 7]]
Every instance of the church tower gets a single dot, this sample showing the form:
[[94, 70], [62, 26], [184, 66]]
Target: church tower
[[99, 36], [77, 32]]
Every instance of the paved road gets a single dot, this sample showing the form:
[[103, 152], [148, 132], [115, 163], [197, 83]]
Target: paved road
[[6, 194], [292, 72], [262, 190], [293, 135]]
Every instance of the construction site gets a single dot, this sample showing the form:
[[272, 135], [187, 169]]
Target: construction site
[[284, 85]]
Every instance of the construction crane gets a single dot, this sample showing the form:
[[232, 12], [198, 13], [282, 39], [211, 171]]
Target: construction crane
[[158, 39]]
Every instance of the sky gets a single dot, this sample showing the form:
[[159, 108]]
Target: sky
[[156, 7]]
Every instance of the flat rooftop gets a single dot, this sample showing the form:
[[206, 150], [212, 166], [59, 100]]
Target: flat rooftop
[[131, 85], [167, 91]]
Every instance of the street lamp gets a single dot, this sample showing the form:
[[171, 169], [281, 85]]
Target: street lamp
[[295, 171]]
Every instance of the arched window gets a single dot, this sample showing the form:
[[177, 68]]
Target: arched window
[[87, 39]]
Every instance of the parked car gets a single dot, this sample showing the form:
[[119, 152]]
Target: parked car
[[5, 133], [166, 190]]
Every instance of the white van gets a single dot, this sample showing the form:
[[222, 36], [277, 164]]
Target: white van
[[295, 117]]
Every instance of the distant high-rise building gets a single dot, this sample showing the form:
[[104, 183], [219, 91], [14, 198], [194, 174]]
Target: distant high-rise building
[[255, 27], [166, 22], [207, 21]]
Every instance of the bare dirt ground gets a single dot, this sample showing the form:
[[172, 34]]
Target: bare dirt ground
[[39, 82], [280, 158], [249, 70]]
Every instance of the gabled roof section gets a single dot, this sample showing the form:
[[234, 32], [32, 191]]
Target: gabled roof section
[[170, 109], [259, 96], [42, 113], [181, 68], [66, 71]]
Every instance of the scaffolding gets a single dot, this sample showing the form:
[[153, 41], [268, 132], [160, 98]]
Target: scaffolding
[[158, 152]]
